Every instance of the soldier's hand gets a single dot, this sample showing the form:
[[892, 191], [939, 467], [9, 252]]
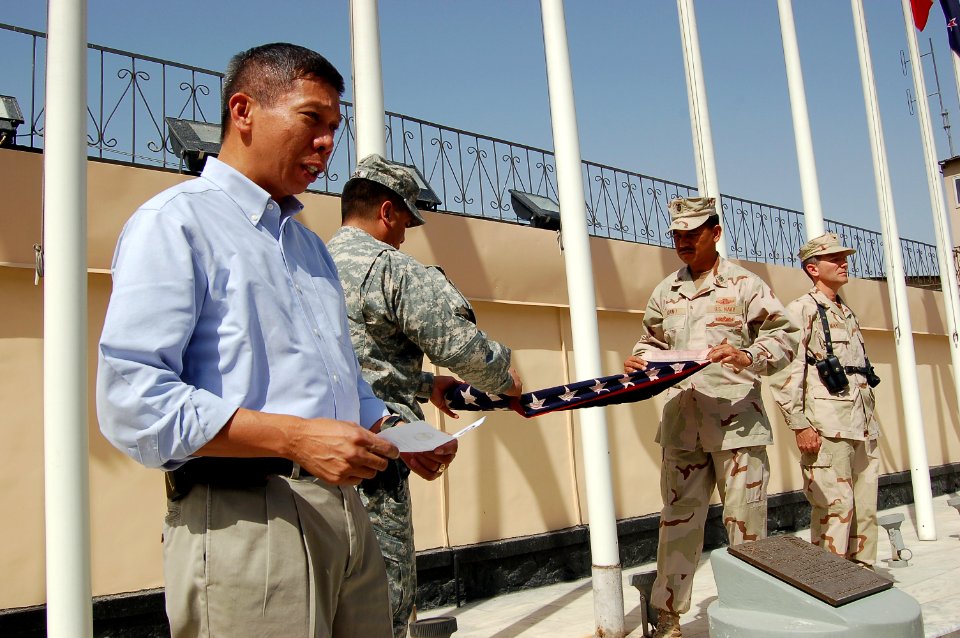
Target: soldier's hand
[[728, 355], [440, 386], [340, 452], [808, 441], [430, 465], [517, 388], [634, 364]]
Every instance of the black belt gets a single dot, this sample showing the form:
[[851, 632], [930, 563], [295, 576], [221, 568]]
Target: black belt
[[227, 472], [847, 369]]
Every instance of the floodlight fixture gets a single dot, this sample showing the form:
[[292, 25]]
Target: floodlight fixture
[[899, 554], [436, 627], [539, 210], [954, 502], [10, 118], [193, 141], [428, 198], [643, 581]]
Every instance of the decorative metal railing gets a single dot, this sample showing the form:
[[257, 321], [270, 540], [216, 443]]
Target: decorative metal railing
[[130, 95]]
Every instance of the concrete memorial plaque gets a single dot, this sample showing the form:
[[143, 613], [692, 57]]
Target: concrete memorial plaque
[[831, 578]]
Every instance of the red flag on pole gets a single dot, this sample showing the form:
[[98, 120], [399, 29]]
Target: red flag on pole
[[921, 11]]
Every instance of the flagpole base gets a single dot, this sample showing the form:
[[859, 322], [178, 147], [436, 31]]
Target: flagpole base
[[608, 601]]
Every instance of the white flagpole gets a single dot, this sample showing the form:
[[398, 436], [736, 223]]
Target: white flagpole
[[810, 187], [956, 71], [604, 547], [941, 223], [707, 183], [368, 108], [65, 444], [903, 331]]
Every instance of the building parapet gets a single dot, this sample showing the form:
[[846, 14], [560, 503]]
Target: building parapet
[[131, 96]]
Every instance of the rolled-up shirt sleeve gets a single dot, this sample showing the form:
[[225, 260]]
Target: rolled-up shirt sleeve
[[144, 406], [372, 409]]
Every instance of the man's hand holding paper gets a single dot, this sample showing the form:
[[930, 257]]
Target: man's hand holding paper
[[426, 450]]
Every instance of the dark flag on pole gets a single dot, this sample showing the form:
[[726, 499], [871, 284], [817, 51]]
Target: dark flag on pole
[[921, 11], [619, 388], [951, 11]]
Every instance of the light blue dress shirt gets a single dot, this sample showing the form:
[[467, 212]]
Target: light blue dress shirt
[[221, 300]]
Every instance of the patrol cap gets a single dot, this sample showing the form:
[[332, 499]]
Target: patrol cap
[[825, 244], [687, 213], [395, 177]]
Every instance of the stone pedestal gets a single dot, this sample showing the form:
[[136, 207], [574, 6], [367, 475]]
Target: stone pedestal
[[754, 604]]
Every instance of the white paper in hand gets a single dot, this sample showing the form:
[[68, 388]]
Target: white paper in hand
[[473, 425], [418, 436]]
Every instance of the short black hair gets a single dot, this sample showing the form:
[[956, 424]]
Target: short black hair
[[267, 71], [362, 197], [712, 222]]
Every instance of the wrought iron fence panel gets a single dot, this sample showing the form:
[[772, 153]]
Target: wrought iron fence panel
[[920, 264], [629, 206], [868, 261], [760, 232], [129, 97]]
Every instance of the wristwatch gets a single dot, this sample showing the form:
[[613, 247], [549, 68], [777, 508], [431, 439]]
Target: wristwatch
[[390, 421]]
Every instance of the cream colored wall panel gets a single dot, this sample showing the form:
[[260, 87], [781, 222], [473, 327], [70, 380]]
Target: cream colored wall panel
[[20, 218], [513, 476], [127, 500], [21, 430]]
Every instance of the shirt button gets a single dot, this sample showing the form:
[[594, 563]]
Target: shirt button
[[269, 206], [336, 378], [297, 287], [316, 332]]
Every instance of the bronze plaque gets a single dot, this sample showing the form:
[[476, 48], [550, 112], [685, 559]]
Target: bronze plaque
[[831, 578]]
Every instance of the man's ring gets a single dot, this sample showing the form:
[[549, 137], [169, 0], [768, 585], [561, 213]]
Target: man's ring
[[442, 467]]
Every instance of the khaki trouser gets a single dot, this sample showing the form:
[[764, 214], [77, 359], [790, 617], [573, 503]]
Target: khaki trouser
[[687, 479], [841, 484], [292, 558]]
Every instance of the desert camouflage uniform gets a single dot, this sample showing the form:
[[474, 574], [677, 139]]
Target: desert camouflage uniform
[[841, 480], [399, 309], [713, 429]]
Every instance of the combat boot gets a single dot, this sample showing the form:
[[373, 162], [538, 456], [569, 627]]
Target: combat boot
[[668, 625]]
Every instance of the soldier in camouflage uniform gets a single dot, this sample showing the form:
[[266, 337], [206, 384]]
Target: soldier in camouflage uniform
[[399, 310], [713, 429], [836, 431]]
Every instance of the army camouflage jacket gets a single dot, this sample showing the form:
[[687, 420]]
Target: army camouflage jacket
[[398, 310], [718, 409], [798, 389]]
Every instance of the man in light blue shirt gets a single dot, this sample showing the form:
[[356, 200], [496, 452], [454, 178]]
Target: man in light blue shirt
[[226, 360]]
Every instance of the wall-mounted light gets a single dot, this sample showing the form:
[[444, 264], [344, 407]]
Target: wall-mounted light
[[10, 118], [427, 199], [193, 141], [539, 210]]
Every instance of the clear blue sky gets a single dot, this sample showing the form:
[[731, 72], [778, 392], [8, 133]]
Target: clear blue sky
[[479, 66]]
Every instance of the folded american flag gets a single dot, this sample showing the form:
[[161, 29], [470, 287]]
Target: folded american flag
[[618, 388]]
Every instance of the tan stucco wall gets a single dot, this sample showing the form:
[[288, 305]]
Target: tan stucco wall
[[513, 476], [951, 174]]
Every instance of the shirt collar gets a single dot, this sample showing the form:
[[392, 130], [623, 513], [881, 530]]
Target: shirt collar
[[252, 200], [823, 300], [718, 277]]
